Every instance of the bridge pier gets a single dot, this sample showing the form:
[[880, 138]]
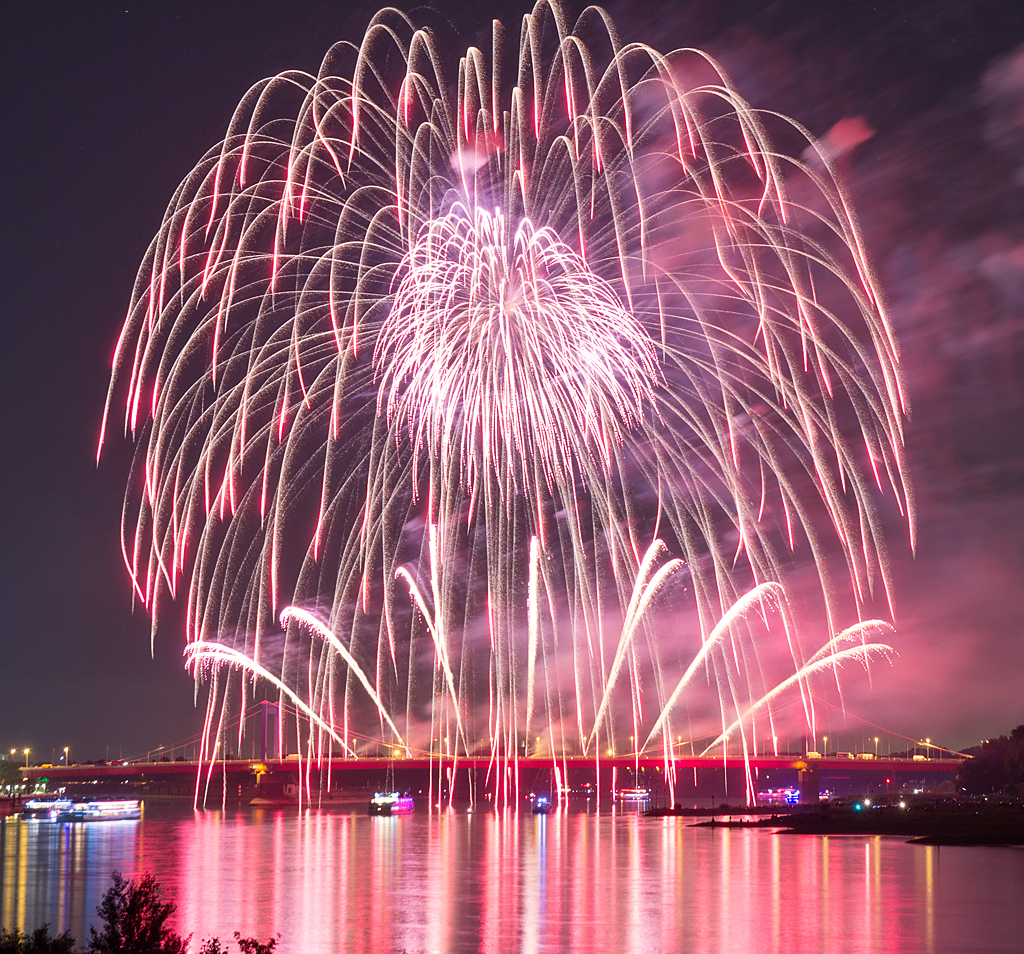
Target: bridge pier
[[808, 783]]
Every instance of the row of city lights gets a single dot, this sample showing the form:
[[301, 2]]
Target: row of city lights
[[824, 740], [25, 752]]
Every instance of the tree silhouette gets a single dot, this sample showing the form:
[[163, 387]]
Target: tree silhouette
[[995, 764], [135, 920]]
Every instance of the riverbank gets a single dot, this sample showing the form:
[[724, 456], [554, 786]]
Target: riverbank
[[939, 823]]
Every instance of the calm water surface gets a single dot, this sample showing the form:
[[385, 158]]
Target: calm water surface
[[331, 882]]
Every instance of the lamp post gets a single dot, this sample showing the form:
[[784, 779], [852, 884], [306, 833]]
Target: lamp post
[[876, 746], [824, 744], [26, 757], [66, 761]]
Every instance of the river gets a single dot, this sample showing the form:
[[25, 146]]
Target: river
[[332, 881]]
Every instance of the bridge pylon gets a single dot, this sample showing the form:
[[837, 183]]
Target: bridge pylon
[[268, 734]]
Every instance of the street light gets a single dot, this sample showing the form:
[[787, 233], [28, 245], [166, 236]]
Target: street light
[[26, 757], [66, 762], [824, 744], [876, 746]]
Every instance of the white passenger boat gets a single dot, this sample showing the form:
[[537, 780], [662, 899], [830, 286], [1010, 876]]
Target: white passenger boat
[[98, 809], [46, 806]]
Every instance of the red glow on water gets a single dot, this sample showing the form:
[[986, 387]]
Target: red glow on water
[[578, 883]]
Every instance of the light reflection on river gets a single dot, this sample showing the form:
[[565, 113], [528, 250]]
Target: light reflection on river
[[329, 882]]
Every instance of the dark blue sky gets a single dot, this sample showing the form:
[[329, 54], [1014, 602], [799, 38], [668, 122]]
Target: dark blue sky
[[106, 107]]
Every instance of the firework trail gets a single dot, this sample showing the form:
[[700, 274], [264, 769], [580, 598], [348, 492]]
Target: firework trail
[[423, 366]]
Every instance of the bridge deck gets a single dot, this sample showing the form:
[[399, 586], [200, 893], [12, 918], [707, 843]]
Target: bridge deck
[[844, 766]]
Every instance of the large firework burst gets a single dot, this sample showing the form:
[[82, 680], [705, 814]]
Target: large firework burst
[[484, 339]]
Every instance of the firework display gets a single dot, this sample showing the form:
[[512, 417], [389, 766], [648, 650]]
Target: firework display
[[488, 400]]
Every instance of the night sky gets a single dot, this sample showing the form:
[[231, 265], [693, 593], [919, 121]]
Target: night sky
[[107, 107]]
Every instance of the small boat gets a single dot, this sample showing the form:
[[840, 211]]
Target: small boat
[[390, 803], [542, 805], [98, 810], [632, 795]]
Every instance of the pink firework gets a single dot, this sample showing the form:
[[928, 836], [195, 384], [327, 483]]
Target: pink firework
[[427, 372]]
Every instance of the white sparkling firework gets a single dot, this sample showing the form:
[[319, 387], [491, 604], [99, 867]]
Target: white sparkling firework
[[503, 344], [479, 340]]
